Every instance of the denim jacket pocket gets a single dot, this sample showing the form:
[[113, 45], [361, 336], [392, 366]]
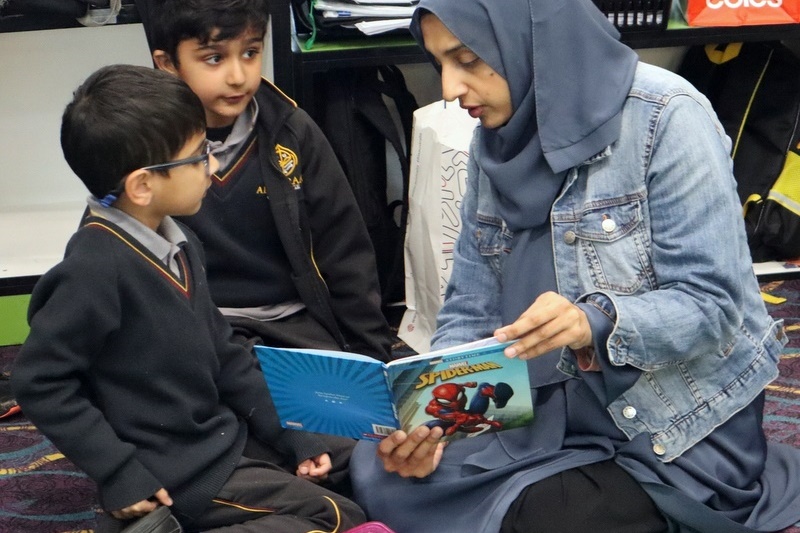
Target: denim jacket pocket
[[615, 245], [492, 237]]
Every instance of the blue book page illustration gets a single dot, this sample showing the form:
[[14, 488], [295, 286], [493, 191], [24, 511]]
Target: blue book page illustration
[[329, 392], [468, 391]]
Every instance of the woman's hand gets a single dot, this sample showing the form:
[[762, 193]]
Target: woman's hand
[[143, 507], [315, 469], [416, 454], [551, 322]]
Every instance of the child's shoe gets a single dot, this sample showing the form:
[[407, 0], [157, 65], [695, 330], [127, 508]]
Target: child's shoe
[[158, 521], [8, 405]]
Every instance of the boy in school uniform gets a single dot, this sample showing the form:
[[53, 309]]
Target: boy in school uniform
[[129, 368], [290, 262]]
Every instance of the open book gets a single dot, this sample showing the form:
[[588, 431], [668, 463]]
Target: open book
[[467, 390]]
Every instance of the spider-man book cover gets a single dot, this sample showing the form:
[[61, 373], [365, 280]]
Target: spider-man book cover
[[466, 390]]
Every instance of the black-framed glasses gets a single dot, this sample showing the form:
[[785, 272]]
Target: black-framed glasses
[[113, 195], [204, 157]]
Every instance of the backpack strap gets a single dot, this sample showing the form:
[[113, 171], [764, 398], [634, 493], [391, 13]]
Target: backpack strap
[[394, 86]]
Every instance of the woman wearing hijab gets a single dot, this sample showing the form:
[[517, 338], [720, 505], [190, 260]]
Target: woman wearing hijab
[[602, 233]]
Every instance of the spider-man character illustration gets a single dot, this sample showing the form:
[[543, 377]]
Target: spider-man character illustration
[[450, 399]]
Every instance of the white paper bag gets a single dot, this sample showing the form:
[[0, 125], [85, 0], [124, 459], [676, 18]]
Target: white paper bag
[[437, 182]]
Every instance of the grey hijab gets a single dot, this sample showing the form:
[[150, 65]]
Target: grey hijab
[[566, 112]]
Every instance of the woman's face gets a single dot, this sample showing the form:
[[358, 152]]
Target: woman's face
[[479, 89]]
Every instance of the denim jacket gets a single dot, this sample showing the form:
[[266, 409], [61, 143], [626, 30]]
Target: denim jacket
[[652, 223]]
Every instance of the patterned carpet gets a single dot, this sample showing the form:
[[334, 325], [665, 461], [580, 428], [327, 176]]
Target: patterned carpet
[[42, 492], [782, 409]]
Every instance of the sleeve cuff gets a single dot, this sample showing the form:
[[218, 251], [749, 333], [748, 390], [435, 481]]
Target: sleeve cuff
[[302, 444], [601, 323], [587, 359], [602, 319]]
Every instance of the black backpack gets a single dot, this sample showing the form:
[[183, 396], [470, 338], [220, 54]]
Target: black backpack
[[755, 90], [358, 123]]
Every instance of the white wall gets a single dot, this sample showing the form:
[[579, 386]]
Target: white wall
[[38, 72], [40, 69], [41, 200]]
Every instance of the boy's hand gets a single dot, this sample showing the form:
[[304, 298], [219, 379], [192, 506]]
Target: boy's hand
[[416, 454], [143, 507], [315, 469]]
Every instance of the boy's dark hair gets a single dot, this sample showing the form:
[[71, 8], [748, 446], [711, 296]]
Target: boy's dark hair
[[125, 117], [174, 21]]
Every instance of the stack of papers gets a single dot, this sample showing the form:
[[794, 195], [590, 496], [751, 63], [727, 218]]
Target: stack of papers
[[370, 17]]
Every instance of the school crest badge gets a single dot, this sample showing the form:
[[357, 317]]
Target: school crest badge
[[287, 161]]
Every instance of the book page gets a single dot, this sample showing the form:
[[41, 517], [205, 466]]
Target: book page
[[461, 348], [466, 390], [329, 392]]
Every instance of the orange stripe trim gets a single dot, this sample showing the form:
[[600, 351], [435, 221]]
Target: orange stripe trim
[[338, 519], [278, 89], [183, 287], [247, 508], [265, 510], [222, 178]]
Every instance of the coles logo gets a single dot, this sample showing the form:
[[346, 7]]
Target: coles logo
[[741, 12], [735, 4]]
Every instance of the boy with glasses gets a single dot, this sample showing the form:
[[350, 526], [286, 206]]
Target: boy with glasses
[[129, 369]]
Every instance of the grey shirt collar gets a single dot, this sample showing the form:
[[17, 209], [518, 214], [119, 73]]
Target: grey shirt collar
[[225, 150], [164, 243]]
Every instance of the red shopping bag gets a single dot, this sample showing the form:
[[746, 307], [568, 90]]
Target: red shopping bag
[[742, 12]]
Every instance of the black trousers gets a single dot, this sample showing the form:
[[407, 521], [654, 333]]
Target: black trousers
[[260, 496], [600, 497], [263, 494]]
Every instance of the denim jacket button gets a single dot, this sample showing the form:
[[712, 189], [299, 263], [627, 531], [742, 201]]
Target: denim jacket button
[[659, 449], [570, 237], [629, 412], [608, 225]]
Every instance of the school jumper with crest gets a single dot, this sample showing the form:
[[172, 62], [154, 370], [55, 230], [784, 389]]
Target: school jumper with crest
[[283, 209], [121, 348]]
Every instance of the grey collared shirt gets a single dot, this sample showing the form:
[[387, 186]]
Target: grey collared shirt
[[164, 244], [226, 150]]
